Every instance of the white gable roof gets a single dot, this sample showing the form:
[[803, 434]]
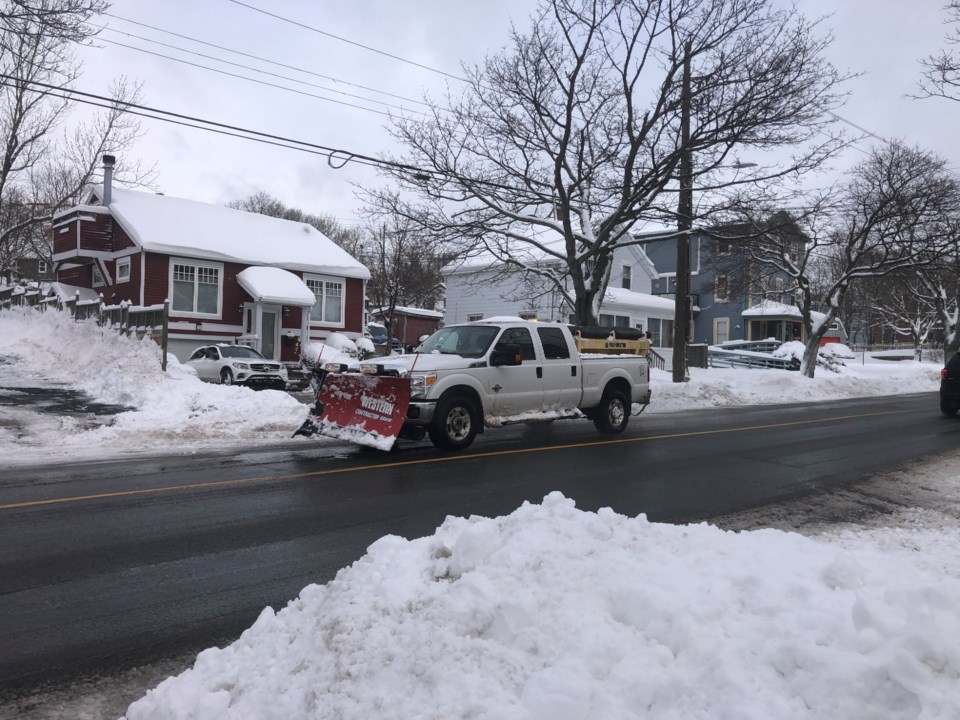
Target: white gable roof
[[175, 226], [628, 298], [66, 292], [275, 285]]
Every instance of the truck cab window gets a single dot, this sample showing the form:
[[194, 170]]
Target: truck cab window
[[521, 337], [554, 343]]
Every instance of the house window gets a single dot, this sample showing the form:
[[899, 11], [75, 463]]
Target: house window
[[779, 285], [626, 276], [97, 277], [661, 332], [328, 309], [721, 291], [42, 267], [723, 247], [197, 288], [622, 321], [473, 317], [123, 270]]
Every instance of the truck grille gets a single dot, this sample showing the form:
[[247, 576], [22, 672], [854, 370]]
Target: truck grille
[[263, 367]]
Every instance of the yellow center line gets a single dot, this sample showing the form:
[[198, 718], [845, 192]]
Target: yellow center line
[[427, 461]]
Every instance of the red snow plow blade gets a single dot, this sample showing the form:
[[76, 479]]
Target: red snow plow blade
[[364, 409]]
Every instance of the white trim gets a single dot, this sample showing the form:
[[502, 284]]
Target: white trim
[[121, 263], [218, 327], [196, 264], [143, 274]]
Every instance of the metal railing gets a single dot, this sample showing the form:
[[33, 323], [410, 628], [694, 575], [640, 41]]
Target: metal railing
[[656, 360], [718, 358]]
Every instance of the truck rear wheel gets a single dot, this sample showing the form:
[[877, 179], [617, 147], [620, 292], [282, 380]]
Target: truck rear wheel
[[455, 423], [613, 413]]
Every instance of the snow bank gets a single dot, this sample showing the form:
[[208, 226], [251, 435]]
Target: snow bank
[[171, 410], [551, 613]]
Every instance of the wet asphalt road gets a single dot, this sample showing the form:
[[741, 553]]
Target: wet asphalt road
[[107, 565]]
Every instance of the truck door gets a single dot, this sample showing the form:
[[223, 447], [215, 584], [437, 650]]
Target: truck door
[[518, 388], [561, 370]]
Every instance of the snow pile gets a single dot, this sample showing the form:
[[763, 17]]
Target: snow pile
[[551, 613], [170, 409]]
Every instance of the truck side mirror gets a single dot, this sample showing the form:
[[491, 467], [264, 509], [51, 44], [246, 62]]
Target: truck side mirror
[[509, 355]]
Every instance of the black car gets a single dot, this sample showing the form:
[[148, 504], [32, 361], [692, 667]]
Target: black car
[[950, 387]]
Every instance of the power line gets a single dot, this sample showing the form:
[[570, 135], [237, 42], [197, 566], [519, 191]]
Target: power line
[[336, 157], [349, 42], [240, 65], [260, 82], [258, 58]]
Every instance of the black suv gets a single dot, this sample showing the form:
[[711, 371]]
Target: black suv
[[950, 387]]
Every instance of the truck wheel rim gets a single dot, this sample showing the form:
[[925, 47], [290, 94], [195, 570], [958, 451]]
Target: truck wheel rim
[[616, 413], [458, 423]]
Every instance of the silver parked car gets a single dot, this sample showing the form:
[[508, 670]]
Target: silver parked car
[[237, 364]]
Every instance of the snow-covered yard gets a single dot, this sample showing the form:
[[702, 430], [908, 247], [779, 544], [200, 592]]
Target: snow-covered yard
[[549, 613]]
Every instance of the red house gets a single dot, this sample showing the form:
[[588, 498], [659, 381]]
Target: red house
[[230, 276]]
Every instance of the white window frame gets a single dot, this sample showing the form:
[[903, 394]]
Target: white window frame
[[196, 264], [724, 282], [41, 267], [121, 264], [322, 299], [97, 276], [626, 277]]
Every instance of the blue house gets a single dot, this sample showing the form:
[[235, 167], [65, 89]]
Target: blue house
[[725, 283]]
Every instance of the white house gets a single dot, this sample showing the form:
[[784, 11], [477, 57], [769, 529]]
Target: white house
[[482, 287]]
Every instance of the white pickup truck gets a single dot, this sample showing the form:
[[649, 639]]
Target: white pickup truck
[[489, 373]]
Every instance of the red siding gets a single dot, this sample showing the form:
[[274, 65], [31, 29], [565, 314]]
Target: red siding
[[409, 328], [78, 276], [155, 287], [129, 290]]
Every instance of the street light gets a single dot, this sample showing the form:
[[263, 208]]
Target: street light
[[683, 312]]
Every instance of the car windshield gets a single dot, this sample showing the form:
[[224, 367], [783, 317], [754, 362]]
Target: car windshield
[[240, 351], [469, 341]]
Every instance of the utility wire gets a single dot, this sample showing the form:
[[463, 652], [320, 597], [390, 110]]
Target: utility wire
[[244, 67], [260, 59], [259, 82], [349, 42]]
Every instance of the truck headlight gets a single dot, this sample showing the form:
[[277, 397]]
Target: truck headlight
[[420, 383]]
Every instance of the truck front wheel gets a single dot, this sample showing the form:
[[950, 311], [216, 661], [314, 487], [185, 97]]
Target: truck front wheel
[[455, 423], [613, 413]]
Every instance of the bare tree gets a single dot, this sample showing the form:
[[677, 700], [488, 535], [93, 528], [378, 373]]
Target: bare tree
[[907, 311], [46, 164], [565, 140], [941, 72], [893, 214]]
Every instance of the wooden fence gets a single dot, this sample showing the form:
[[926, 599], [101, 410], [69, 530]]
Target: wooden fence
[[125, 318]]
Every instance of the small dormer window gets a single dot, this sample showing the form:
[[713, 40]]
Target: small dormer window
[[123, 270]]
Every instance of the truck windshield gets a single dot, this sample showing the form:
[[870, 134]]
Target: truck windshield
[[469, 341]]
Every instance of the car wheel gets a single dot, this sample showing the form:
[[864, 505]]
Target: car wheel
[[613, 413], [948, 409], [455, 423], [226, 376]]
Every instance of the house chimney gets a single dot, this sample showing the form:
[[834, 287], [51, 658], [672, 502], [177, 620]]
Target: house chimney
[[108, 162]]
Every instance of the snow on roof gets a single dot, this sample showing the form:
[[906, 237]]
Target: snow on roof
[[275, 285], [410, 311], [69, 292], [176, 226], [771, 308], [629, 298]]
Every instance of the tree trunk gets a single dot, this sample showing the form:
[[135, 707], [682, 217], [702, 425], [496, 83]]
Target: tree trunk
[[583, 309]]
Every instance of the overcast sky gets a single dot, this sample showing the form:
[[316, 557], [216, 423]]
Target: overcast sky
[[884, 39]]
